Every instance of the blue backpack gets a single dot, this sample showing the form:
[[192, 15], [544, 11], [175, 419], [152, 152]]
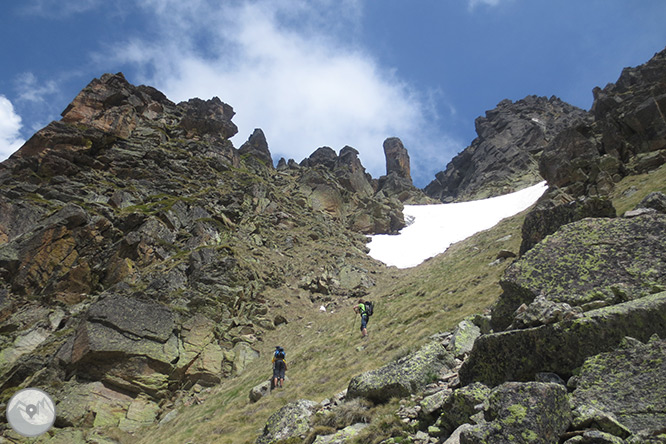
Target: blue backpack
[[279, 354]]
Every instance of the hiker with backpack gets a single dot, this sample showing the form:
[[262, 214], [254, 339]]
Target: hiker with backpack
[[365, 310], [279, 366]]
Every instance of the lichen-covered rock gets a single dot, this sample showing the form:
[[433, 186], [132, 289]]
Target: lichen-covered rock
[[403, 377], [66, 436], [341, 436], [588, 417], [655, 201], [542, 311], [532, 412], [455, 436], [433, 403], [91, 403], [128, 343], [629, 383], [554, 210], [463, 338], [141, 413], [518, 355], [590, 261], [200, 355], [243, 356], [594, 437], [646, 438], [290, 421], [460, 406]]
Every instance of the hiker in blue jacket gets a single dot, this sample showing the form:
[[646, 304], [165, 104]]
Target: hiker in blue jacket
[[279, 367]]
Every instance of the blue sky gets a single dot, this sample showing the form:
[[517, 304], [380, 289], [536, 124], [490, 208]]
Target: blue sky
[[325, 72]]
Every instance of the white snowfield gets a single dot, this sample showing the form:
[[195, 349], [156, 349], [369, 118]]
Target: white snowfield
[[431, 229]]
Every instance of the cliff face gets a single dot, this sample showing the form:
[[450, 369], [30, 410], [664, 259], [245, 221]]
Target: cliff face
[[505, 155], [626, 136]]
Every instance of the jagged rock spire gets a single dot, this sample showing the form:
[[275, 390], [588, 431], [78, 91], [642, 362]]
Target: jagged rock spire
[[257, 146], [397, 158]]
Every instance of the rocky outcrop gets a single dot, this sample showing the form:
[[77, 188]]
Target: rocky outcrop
[[589, 263], [626, 385], [339, 186], [257, 147], [290, 421], [259, 391], [126, 343], [505, 155], [463, 337], [403, 377], [522, 413], [554, 210], [518, 355], [342, 436], [654, 201], [631, 109], [460, 406]]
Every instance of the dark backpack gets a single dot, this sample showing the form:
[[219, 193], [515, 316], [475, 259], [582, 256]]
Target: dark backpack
[[279, 354], [369, 308]]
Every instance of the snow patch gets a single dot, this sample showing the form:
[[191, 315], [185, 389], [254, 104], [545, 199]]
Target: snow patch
[[434, 228]]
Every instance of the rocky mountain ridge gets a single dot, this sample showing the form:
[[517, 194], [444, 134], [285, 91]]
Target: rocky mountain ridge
[[141, 252], [137, 243], [505, 155]]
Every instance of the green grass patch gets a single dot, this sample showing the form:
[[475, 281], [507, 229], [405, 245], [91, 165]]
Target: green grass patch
[[632, 189]]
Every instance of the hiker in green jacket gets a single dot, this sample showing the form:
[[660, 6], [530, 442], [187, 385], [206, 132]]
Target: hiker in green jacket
[[361, 309]]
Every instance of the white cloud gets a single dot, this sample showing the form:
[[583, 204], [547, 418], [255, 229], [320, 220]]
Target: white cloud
[[474, 3], [10, 124], [286, 67], [59, 8], [30, 89]]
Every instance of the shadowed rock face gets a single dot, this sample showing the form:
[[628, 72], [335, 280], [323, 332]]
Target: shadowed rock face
[[398, 180], [554, 210], [626, 135], [257, 147], [504, 157]]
